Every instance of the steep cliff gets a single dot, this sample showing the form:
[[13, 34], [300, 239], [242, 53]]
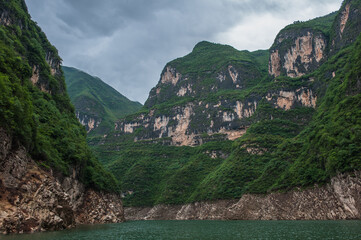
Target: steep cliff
[[347, 25], [47, 172], [207, 95], [187, 95], [301, 48], [97, 105], [222, 123]]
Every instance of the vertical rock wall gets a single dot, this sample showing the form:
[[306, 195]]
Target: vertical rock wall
[[296, 53]]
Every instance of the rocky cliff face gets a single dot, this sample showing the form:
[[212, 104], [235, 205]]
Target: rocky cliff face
[[53, 66], [174, 83], [347, 25], [35, 199], [296, 53], [200, 113], [198, 122], [301, 48], [87, 121], [341, 199]]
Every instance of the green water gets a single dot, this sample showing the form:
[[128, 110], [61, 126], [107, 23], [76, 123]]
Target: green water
[[198, 230]]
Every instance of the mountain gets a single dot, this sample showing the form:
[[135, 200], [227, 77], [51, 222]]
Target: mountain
[[228, 124], [49, 178], [97, 105]]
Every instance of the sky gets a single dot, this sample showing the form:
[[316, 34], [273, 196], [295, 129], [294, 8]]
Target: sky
[[127, 43]]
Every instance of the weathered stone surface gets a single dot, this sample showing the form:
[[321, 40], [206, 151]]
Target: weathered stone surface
[[340, 199], [100, 208], [54, 64], [296, 53], [89, 122], [287, 99], [5, 18], [186, 125], [347, 26], [33, 199]]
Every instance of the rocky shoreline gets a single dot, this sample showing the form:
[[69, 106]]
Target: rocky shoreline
[[34, 199], [340, 199]]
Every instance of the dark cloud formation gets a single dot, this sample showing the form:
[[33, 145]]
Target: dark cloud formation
[[127, 42]]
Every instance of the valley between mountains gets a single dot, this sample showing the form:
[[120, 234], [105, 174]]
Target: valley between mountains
[[225, 134]]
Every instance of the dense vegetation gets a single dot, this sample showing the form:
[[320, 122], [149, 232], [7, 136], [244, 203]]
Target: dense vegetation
[[202, 67], [330, 144], [97, 100], [215, 55], [161, 174], [281, 149], [322, 24], [41, 120]]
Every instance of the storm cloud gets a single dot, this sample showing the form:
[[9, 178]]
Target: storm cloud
[[127, 42]]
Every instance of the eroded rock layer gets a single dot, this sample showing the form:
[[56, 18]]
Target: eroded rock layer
[[296, 53], [196, 122], [347, 25], [340, 199], [33, 199]]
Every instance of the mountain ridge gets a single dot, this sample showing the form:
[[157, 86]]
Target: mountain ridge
[[250, 128], [96, 103]]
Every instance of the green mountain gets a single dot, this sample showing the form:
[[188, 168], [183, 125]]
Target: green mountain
[[97, 105], [35, 109], [221, 122]]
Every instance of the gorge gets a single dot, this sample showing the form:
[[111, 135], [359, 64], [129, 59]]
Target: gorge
[[224, 135]]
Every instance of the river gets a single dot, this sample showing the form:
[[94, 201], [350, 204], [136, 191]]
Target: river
[[198, 230]]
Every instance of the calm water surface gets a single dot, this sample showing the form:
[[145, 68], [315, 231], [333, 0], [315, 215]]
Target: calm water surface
[[198, 230]]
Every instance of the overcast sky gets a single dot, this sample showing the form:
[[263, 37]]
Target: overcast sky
[[127, 43]]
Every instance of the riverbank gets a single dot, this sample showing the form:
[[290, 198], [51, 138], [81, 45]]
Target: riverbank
[[35, 199], [340, 199]]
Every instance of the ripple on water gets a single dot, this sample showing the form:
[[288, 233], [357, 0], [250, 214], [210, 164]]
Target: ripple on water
[[208, 230]]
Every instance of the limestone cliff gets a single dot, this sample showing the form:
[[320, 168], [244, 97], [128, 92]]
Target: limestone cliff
[[347, 25], [341, 199], [302, 47], [296, 53], [187, 107], [37, 199], [198, 122], [88, 122]]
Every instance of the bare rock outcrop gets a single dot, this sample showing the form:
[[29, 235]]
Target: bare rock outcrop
[[287, 99], [5, 18], [340, 199], [347, 25], [34, 199], [89, 122], [197, 122], [178, 127], [296, 53]]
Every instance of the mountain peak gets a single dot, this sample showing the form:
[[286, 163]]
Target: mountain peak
[[209, 46]]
